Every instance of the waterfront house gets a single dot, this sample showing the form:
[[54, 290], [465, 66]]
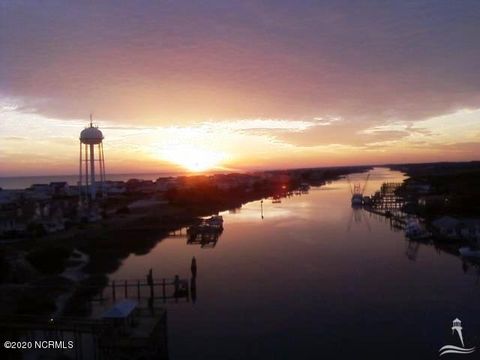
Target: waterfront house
[[447, 227], [470, 229], [432, 201], [418, 187]]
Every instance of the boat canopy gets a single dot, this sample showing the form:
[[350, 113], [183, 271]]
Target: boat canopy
[[121, 309]]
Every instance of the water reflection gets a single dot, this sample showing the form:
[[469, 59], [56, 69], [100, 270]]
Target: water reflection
[[286, 280], [206, 239], [193, 280], [412, 249], [358, 217]]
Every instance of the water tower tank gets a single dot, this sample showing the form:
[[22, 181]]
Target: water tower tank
[[91, 136]]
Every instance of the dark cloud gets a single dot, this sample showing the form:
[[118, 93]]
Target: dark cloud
[[166, 62]]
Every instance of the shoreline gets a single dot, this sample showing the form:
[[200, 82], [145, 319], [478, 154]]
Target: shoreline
[[109, 241]]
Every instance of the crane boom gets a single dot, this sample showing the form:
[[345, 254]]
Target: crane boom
[[365, 184], [350, 184]]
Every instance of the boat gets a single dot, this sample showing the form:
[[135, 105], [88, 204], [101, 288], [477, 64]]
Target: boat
[[212, 225], [276, 199], [469, 252], [215, 221], [357, 200], [357, 192], [415, 231], [304, 186]]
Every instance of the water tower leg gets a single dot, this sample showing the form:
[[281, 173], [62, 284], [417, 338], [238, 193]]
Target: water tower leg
[[80, 174], [87, 187], [92, 170]]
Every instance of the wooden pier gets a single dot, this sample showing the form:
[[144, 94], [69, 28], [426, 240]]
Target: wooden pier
[[155, 289], [388, 204]]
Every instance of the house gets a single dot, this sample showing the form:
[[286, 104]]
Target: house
[[470, 229], [447, 227], [10, 223], [59, 188], [39, 192], [115, 187], [165, 184], [435, 201], [419, 187], [8, 196], [141, 186]]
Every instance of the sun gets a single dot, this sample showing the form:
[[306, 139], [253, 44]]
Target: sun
[[192, 158]]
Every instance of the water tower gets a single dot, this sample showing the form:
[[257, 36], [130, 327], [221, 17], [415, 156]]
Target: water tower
[[91, 137]]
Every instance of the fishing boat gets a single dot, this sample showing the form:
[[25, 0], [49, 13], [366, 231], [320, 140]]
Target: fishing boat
[[357, 200], [357, 192], [415, 231]]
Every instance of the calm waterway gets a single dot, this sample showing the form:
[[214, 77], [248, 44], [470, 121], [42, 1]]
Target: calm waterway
[[314, 279]]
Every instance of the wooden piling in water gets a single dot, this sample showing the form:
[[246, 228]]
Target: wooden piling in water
[[163, 290]]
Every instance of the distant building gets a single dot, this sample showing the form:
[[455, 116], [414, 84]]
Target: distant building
[[115, 187], [140, 186], [165, 184], [59, 188]]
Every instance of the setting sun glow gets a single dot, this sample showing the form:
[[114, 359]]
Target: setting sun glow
[[192, 158]]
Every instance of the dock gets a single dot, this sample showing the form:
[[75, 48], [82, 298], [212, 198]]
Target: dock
[[143, 335], [388, 204]]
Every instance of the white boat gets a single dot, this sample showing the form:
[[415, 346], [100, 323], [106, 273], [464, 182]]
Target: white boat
[[469, 252], [415, 231]]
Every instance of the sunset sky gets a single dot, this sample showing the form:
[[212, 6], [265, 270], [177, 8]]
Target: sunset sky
[[238, 85]]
